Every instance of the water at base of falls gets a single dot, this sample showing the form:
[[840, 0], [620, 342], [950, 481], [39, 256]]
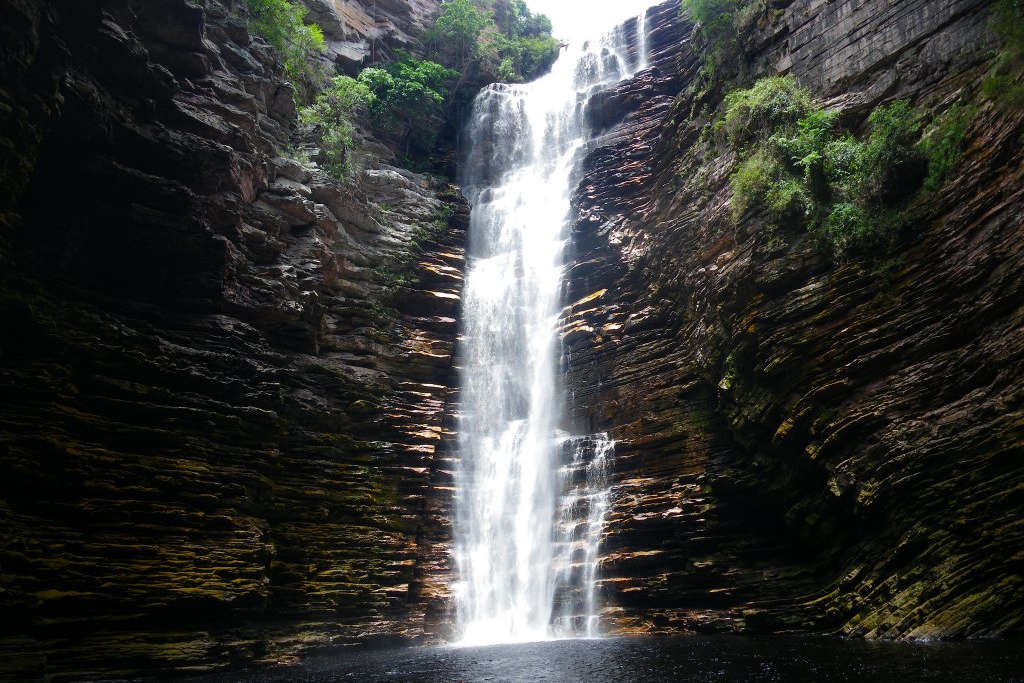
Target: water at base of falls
[[696, 658], [530, 501]]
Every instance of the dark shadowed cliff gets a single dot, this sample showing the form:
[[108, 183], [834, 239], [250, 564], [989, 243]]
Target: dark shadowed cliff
[[223, 377]]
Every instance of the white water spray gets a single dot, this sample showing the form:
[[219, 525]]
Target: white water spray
[[530, 503]]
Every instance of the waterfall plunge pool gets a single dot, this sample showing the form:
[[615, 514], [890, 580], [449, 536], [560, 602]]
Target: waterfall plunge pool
[[655, 658]]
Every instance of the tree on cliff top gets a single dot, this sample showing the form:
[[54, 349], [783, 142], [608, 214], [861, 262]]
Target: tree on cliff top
[[507, 40], [459, 25]]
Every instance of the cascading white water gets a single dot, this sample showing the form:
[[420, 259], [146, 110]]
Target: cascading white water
[[578, 533], [517, 540]]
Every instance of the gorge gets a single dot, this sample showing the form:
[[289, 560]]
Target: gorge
[[253, 412]]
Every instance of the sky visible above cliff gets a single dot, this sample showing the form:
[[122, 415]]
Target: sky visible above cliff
[[581, 18]]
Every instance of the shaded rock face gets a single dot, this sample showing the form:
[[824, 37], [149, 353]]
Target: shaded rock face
[[804, 445], [224, 375]]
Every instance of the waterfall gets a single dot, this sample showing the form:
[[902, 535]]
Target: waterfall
[[578, 533], [643, 50], [530, 499]]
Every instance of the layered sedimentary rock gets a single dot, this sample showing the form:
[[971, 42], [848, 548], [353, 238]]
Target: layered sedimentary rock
[[805, 444], [361, 31], [227, 386], [224, 374]]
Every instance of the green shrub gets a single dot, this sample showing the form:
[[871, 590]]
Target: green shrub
[[1002, 82], [771, 104], [806, 149], [1007, 22], [944, 145], [332, 112], [891, 166], [715, 16], [843, 161], [723, 27], [761, 180], [281, 24], [800, 169], [848, 228]]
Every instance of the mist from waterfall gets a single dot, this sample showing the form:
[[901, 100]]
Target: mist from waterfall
[[530, 498]]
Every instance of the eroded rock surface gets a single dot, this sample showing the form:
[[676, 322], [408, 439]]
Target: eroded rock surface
[[227, 380]]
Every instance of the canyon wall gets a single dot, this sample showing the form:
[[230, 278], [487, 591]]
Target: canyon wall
[[228, 387], [805, 444], [224, 375]]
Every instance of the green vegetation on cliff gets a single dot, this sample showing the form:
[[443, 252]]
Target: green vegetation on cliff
[[332, 113], [503, 38], [1002, 83], [723, 26], [410, 101], [404, 98], [407, 98], [800, 168], [281, 23]]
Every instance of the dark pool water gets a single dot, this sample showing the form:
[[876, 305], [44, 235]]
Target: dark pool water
[[687, 658]]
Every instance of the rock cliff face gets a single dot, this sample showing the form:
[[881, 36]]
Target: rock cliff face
[[804, 445], [224, 375], [359, 31]]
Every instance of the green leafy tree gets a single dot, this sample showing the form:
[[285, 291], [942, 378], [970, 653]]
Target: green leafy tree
[[281, 23], [408, 95], [332, 113], [503, 37], [515, 20], [459, 25]]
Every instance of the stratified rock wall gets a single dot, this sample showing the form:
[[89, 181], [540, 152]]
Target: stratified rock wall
[[227, 382], [361, 31], [804, 445], [224, 375]]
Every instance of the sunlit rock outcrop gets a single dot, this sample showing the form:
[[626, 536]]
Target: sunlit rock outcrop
[[360, 31]]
